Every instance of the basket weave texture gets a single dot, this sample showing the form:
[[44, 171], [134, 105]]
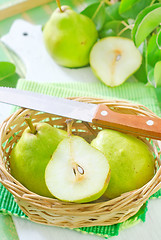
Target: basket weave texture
[[53, 212]]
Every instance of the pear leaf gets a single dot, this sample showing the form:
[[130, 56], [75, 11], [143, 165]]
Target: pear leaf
[[6, 69], [157, 74], [159, 39], [131, 8], [114, 28], [112, 12], [153, 55], [146, 22], [96, 12], [141, 74]]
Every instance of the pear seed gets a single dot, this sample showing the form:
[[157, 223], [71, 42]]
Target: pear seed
[[80, 170], [118, 57], [74, 171]]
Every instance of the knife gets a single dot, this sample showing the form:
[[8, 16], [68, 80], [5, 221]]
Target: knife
[[100, 114]]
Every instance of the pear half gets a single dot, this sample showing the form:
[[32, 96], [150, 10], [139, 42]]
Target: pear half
[[114, 59], [77, 172]]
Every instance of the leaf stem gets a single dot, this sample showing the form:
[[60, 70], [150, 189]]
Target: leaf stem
[[108, 2], [97, 10], [114, 1], [127, 25], [6, 76], [152, 2], [125, 28]]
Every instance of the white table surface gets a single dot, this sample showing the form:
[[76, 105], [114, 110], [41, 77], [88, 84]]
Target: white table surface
[[150, 230]]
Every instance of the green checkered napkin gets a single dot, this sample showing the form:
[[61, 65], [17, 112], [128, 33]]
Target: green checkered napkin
[[135, 92]]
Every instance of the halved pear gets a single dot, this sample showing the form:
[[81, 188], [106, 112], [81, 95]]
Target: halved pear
[[114, 59], [77, 172]]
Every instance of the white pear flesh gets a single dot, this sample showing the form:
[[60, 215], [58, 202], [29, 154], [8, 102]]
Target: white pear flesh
[[114, 59], [77, 172]]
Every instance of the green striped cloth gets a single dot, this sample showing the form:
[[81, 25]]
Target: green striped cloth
[[135, 92]]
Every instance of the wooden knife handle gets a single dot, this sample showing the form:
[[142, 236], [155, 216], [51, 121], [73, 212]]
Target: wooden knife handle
[[135, 124]]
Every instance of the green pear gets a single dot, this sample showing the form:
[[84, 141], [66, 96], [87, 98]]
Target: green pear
[[131, 161], [69, 37], [77, 172], [31, 154]]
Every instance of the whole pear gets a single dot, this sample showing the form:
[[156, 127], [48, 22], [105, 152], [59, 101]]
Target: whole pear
[[130, 160], [32, 153], [69, 37]]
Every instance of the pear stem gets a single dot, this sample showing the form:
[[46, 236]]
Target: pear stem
[[59, 5], [90, 128], [69, 126], [31, 126]]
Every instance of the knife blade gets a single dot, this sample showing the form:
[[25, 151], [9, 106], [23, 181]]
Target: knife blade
[[45, 103], [100, 114]]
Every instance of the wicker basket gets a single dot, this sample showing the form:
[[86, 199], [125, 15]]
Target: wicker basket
[[57, 213]]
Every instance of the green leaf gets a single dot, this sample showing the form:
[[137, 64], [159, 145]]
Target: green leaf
[[153, 52], [112, 12], [6, 69], [141, 74], [159, 39], [146, 22], [96, 12], [113, 28], [157, 74], [10, 81], [131, 8], [153, 55]]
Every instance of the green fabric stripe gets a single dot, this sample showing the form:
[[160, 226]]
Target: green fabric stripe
[[106, 231], [156, 195], [7, 203]]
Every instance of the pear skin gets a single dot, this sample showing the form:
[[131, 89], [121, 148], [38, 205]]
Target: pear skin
[[32, 153], [69, 37], [131, 162]]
